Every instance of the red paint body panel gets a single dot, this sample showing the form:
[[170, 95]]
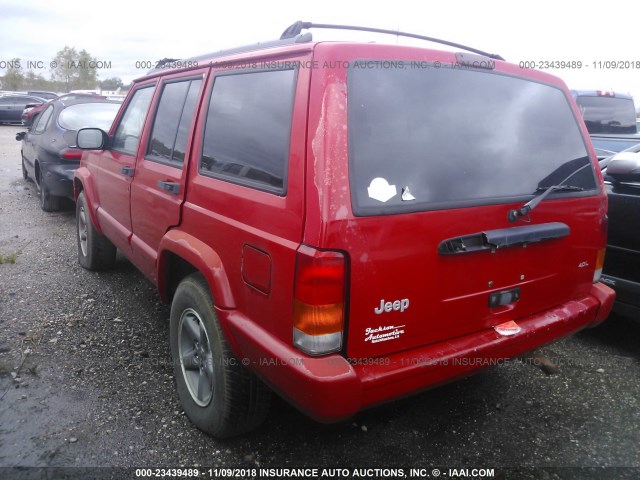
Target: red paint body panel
[[202, 257], [83, 181], [153, 210], [256, 269], [244, 241]]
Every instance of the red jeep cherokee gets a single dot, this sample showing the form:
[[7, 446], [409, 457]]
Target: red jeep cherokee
[[346, 223]]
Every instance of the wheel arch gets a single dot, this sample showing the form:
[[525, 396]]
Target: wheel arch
[[82, 183], [181, 254]]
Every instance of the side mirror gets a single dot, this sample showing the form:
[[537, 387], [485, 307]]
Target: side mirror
[[624, 167], [92, 139], [20, 136]]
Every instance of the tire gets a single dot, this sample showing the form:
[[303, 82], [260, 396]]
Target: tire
[[218, 394], [95, 251], [25, 174], [48, 202]]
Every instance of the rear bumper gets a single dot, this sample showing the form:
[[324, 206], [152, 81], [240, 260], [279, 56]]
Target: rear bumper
[[331, 388]]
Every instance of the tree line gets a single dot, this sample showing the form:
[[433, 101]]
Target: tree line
[[69, 70]]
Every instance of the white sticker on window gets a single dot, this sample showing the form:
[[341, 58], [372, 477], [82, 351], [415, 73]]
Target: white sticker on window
[[380, 190], [406, 195]]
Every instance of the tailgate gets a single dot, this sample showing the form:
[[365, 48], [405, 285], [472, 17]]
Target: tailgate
[[405, 292], [417, 194]]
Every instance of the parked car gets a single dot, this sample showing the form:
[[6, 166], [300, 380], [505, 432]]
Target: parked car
[[31, 111], [49, 152], [622, 263], [610, 118], [43, 94], [330, 233], [12, 106]]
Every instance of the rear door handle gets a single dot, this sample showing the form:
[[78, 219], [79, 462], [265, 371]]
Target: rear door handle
[[171, 187], [128, 171]]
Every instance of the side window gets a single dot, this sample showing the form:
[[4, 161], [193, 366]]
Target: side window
[[246, 137], [43, 120], [173, 121], [128, 132]]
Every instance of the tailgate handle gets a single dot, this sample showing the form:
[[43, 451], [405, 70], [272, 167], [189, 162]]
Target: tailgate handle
[[503, 237], [171, 187], [128, 171]]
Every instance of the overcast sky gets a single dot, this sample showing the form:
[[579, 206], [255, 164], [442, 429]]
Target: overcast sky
[[123, 32]]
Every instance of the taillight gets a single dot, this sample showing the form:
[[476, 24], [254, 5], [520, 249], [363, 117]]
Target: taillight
[[71, 154], [599, 265], [318, 304], [604, 93]]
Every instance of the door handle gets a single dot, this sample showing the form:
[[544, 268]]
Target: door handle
[[128, 171], [171, 187]]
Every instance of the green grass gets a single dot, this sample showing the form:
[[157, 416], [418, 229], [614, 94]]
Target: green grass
[[11, 258]]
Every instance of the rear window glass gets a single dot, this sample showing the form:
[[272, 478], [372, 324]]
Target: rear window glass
[[608, 114], [427, 139], [86, 115], [246, 138]]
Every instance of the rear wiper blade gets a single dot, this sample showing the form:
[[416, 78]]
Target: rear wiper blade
[[524, 210], [562, 188]]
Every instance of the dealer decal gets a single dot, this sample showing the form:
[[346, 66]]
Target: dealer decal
[[383, 334]]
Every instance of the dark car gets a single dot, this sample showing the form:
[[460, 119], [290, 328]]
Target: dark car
[[12, 106], [622, 262], [610, 118], [49, 155], [43, 94], [31, 111]]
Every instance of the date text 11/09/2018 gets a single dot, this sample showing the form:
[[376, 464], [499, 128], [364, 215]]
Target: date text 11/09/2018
[[314, 472], [578, 64]]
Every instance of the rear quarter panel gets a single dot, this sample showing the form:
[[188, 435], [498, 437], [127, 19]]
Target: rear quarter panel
[[230, 217]]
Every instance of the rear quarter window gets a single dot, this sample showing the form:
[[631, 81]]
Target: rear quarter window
[[248, 125]]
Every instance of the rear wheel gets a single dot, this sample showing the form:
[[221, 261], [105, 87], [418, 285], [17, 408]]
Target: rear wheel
[[95, 251], [48, 202], [218, 394]]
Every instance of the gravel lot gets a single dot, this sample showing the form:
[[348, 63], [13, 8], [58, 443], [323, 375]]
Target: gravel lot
[[86, 380]]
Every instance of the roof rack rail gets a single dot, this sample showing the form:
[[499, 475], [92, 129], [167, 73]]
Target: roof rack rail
[[296, 29], [300, 38], [166, 60]]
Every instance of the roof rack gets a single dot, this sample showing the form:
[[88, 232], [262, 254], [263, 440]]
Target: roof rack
[[293, 30], [299, 38]]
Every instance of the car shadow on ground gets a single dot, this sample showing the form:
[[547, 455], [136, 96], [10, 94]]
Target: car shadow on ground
[[618, 335]]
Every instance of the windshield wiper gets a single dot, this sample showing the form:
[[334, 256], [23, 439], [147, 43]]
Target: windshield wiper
[[533, 203], [563, 188], [524, 210]]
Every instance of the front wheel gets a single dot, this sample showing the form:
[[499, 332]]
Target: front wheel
[[95, 251], [218, 394]]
